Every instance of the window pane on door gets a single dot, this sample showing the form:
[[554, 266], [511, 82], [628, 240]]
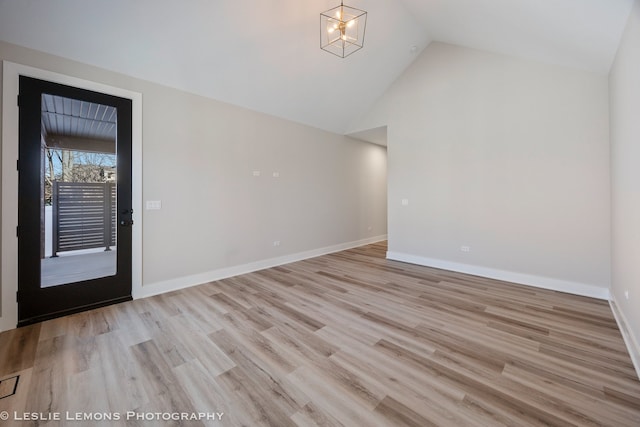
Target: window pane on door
[[79, 189]]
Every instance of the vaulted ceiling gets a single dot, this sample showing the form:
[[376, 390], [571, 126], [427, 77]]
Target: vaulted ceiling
[[265, 55]]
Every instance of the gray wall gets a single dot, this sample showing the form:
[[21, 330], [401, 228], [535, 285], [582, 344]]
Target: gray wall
[[505, 156], [624, 83], [198, 158]]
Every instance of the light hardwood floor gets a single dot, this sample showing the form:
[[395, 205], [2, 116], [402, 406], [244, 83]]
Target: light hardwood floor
[[345, 339]]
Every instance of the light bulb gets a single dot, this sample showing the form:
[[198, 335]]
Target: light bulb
[[350, 23], [344, 37]]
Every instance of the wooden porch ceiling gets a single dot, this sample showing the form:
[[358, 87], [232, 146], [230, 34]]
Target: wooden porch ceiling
[[78, 125]]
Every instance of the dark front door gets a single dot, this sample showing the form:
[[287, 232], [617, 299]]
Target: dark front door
[[74, 200]]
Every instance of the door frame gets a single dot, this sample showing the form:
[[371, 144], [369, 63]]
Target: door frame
[[37, 302], [10, 138]]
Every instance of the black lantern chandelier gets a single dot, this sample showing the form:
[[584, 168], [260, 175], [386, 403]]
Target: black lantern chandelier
[[342, 30]]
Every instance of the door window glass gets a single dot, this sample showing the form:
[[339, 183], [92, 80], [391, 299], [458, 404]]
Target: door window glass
[[78, 186]]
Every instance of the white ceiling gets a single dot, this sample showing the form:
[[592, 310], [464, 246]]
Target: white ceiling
[[265, 55], [577, 33]]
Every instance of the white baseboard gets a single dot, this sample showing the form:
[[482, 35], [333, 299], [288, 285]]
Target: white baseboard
[[223, 273], [627, 336], [507, 276]]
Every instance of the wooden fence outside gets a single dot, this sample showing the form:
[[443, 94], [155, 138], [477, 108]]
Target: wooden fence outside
[[84, 216]]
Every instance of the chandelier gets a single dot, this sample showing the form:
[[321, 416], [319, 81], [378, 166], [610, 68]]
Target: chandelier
[[342, 30]]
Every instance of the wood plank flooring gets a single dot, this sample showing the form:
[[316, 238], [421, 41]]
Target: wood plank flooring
[[347, 339]]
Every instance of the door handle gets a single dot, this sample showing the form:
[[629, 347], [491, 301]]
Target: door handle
[[126, 222]]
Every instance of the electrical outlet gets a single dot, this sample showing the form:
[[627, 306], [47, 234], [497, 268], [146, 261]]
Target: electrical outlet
[[405, 202], [276, 243], [626, 294], [465, 248], [276, 174], [256, 173]]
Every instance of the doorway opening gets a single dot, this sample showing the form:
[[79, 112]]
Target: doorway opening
[[75, 200]]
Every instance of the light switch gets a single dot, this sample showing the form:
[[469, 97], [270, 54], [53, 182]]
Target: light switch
[[256, 173], [154, 205]]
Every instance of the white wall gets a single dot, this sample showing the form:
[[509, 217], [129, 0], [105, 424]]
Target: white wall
[[506, 156], [199, 159], [624, 86], [217, 218]]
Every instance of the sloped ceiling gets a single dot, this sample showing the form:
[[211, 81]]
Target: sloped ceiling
[[264, 55], [577, 33]]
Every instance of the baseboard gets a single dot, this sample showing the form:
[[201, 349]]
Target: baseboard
[[507, 276], [628, 337], [223, 273]]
